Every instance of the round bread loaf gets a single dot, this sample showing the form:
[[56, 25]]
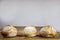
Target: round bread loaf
[[48, 31], [9, 31], [30, 31]]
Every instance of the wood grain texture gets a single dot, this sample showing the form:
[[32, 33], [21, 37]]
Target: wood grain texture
[[19, 37]]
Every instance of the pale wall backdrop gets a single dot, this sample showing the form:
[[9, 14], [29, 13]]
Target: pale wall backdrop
[[30, 12]]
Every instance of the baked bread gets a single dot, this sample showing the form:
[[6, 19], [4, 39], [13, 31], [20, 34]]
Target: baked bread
[[30, 31], [48, 31], [9, 31]]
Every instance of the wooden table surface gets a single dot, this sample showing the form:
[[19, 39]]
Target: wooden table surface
[[19, 37]]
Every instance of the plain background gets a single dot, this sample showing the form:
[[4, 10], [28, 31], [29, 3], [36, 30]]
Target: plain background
[[30, 12]]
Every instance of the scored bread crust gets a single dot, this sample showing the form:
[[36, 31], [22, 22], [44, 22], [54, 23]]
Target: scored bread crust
[[48, 31]]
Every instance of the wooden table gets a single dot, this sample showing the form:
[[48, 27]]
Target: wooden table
[[19, 37]]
